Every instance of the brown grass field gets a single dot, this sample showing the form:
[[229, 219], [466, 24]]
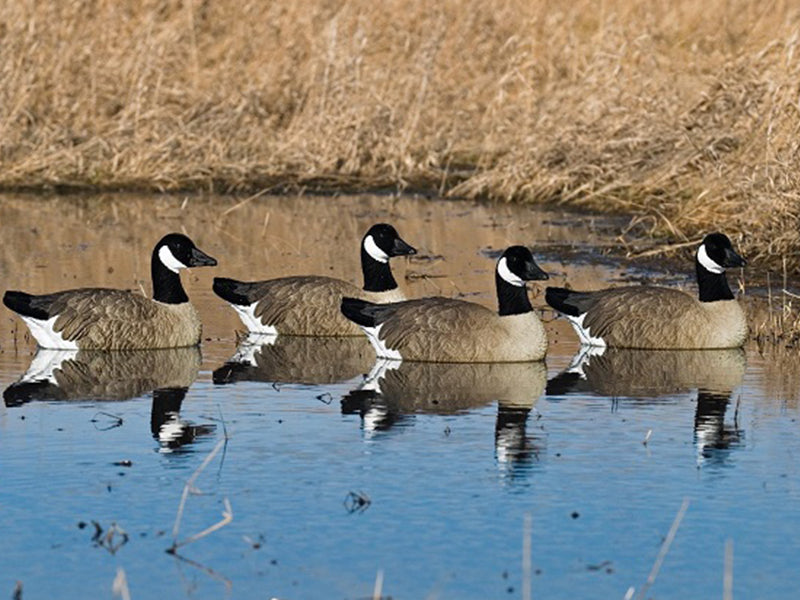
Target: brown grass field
[[684, 114]]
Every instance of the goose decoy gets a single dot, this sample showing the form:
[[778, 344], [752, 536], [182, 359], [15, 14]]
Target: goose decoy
[[309, 305], [110, 319], [448, 330], [658, 317]]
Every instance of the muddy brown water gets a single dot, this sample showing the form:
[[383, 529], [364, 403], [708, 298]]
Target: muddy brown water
[[424, 473]]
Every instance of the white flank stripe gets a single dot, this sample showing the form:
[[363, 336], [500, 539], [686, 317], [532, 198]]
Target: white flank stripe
[[583, 332], [507, 275], [168, 259], [253, 323], [374, 333], [704, 259], [372, 249], [46, 337]]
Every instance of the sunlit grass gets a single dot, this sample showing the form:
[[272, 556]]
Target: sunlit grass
[[683, 114]]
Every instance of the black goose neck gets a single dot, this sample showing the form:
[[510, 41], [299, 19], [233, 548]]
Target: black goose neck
[[167, 285], [712, 286], [511, 299], [377, 275]]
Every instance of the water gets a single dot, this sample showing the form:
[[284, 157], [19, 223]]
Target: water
[[336, 468]]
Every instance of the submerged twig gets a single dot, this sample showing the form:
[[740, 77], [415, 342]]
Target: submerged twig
[[207, 570], [189, 487], [227, 517], [662, 553], [117, 420]]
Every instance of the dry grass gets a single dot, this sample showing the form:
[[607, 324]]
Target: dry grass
[[684, 114]]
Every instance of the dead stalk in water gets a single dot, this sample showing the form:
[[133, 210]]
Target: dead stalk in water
[[527, 567], [662, 553], [189, 487], [727, 577], [377, 589], [120, 585]]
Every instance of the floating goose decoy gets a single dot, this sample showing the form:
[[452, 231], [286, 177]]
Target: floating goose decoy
[[110, 319], [309, 305], [658, 317], [447, 330]]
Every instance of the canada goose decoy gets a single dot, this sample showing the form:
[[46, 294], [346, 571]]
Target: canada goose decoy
[[109, 319], [658, 317], [448, 330], [309, 305]]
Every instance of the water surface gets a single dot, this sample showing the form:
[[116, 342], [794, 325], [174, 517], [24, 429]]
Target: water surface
[[337, 468]]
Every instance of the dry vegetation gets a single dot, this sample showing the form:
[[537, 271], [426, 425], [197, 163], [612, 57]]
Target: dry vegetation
[[684, 114]]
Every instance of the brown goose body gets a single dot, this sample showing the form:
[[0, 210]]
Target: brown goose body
[[651, 317], [658, 317], [108, 319], [309, 305], [447, 330]]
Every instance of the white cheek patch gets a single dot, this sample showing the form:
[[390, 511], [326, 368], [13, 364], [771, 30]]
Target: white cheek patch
[[168, 259], [704, 259], [506, 274], [372, 249]]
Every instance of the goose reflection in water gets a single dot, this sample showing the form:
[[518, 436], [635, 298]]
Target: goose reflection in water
[[395, 391], [87, 375], [658, 375], [297, 359]]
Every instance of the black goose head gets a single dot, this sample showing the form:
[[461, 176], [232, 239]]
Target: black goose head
[[172, 253], [514, 267], [716, 254], [176, 251], [382, 242]]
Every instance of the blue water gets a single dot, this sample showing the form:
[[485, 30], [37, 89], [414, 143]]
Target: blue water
[[446, 474]]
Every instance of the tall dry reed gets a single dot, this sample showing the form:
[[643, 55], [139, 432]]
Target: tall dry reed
[[684, 114]]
